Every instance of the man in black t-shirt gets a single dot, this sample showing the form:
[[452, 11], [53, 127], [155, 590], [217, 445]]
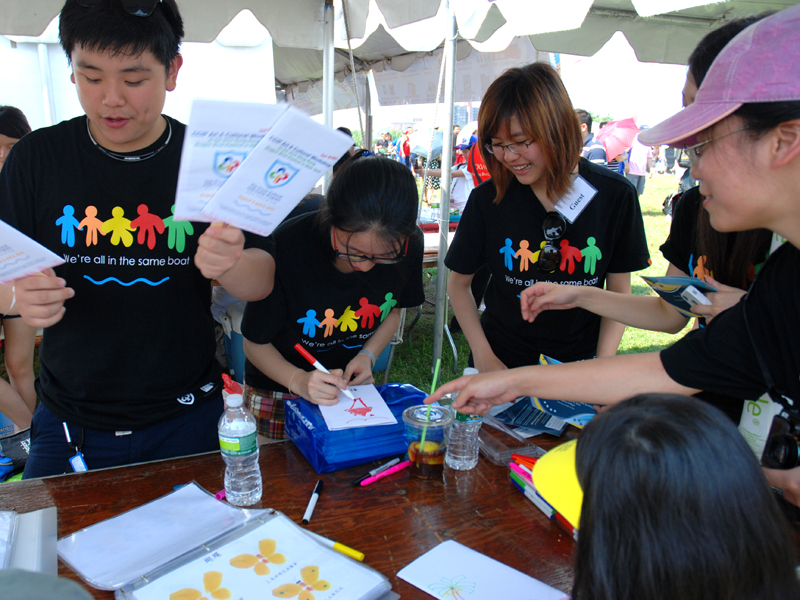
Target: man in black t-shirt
[[127, 361]]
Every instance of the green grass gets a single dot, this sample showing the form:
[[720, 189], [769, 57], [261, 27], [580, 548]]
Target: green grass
[[413, 362]]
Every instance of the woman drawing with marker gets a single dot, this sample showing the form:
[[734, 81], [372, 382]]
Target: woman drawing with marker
[[342, 276]]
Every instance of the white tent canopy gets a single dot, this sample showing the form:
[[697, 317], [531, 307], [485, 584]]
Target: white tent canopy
[[381, 29]]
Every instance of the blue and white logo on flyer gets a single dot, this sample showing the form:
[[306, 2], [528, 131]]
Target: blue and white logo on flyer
[[279, 174], [225, 163]]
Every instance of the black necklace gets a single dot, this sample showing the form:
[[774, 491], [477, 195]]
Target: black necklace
[[130, 157]]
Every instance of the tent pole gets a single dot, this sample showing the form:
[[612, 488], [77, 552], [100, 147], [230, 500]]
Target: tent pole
[[327, 75], [366, 136], [46, 74], [440, 314]]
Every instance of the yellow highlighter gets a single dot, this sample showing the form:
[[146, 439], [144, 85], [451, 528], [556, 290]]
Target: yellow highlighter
[[346, 550]]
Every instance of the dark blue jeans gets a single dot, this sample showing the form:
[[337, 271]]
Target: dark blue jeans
[[190, 433]]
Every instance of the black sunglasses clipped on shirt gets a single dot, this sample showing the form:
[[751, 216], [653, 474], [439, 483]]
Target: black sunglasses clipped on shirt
[[553, 228], [137, 8]]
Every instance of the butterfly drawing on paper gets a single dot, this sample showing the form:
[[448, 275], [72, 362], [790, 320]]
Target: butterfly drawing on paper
[[212, 584], [302, 589], [453, 588], [259, 562]]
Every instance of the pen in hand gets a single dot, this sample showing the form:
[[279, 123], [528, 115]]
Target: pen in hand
[[318, 366]]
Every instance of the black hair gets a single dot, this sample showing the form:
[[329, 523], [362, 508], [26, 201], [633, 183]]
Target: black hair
[[13, 123], [371, 194], [585, 117], [712, 44], [345, 130], [731, 257], [108, 27], [676, 506]]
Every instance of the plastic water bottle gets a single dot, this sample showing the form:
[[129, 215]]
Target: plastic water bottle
[[462, 447], [239, 445]]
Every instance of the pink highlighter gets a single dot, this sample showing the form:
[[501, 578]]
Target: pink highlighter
[[385, 473]]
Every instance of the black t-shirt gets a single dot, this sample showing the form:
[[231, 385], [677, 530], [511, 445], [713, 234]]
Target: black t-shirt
[[331, 313], [136, 344], [607, 237], [721, 357], [680, 248]]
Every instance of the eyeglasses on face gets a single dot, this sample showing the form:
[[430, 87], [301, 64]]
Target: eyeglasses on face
[[514, 148], [376, 260], [696, 150], [553, 228], [137, 8]]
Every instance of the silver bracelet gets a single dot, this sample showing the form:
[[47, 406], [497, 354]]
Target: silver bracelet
[[369, 354]]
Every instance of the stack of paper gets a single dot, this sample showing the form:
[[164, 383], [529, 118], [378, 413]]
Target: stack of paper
[[249, 165]]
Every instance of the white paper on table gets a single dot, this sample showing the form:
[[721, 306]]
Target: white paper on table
[[452, 570], [290, 559], [219, 137], [278, 173], [368, 409], [115, 552], [20, 256]]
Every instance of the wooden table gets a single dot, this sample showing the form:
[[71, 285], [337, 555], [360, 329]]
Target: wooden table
[[392, 521]]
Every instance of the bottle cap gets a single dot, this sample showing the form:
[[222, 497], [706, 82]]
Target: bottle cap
[[233, 400]]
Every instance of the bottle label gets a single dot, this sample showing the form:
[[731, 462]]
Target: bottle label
[[238, 446], [462, 418]]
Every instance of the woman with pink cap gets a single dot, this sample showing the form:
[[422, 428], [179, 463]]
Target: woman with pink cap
[[743, 131]]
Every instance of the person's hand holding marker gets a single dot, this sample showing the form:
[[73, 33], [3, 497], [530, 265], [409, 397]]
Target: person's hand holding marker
[[478, 393], [319, 387]]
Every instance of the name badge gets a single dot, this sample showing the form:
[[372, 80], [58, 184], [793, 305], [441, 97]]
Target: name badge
[[576, 199]]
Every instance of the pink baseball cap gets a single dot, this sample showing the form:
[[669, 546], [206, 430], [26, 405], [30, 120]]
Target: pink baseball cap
[[759, 65]]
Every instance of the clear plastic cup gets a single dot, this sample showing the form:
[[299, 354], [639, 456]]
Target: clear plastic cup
[[427, 460]]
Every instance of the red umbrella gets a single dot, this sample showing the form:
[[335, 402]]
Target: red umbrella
[[618, 136]]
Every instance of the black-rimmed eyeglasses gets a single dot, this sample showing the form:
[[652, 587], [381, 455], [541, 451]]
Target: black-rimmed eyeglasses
[[377, 260]]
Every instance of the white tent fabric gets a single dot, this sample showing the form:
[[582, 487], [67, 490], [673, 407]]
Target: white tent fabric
[[570, 26]]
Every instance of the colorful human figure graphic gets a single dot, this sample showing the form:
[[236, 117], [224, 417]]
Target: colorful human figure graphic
[[93, 226], [147, 224], [700, 270], [347, 320], [524, 255], [367, 313], [329, 322], [178, 230], [592, 254], [120, 227], [68, 224], [279, 175], [228, 166], [508, 255], [309, 323], [387, 306], [569, 255]]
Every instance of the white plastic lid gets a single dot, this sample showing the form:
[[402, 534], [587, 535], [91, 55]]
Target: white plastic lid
[[233, 400], [470, 371]]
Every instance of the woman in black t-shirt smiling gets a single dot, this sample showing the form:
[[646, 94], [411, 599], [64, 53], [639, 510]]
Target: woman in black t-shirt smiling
[[341, 277], [546, 215]]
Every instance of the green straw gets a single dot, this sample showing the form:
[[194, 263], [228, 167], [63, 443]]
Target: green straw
[[428, 413]]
